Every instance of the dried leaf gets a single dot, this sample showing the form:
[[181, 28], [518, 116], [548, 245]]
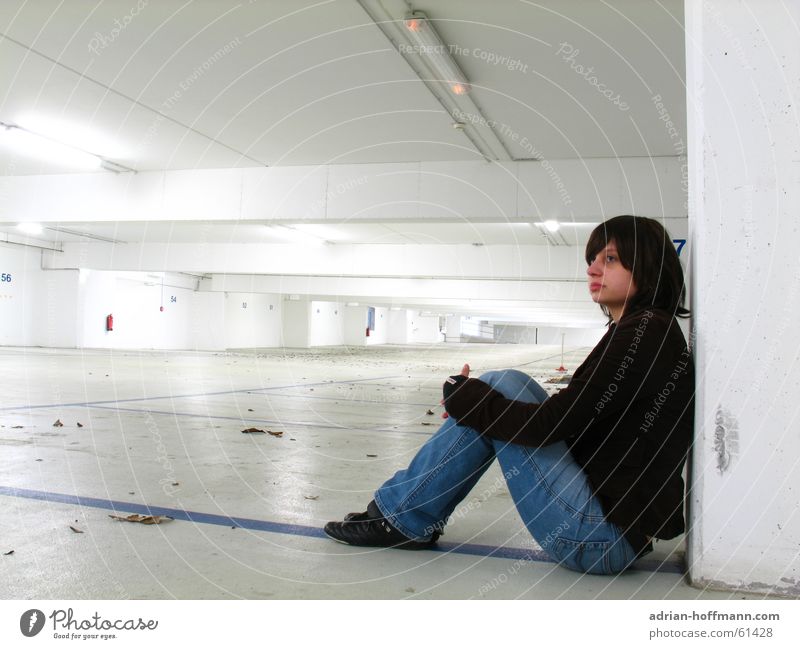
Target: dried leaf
[[310, 497], [427, 423], [57, 423], [371, 455], [80, 425], [250, 410], [276, 433], [138, 518], [76, 530], [253, 430], [18, 427], [430, 412], [5, 554]]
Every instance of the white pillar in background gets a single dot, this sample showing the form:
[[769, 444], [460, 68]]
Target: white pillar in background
[[743, 94]]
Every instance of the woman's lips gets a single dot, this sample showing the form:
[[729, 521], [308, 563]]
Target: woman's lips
[[594, 287]]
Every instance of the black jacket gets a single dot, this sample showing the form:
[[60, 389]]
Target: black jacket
[[627, 416]]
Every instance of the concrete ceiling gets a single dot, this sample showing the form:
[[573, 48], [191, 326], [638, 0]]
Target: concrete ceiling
[[205, 84]]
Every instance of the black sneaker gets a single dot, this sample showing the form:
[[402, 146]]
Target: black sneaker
[[371, 529]]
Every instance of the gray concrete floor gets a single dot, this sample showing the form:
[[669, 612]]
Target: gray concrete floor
[[161, 432]]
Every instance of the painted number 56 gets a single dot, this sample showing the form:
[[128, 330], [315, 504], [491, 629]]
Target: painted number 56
[[6, 277]]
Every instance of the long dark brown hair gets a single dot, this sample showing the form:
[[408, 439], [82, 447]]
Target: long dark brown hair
[[646, 249]]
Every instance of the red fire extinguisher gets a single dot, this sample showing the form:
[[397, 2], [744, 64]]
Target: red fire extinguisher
[[109, 322]]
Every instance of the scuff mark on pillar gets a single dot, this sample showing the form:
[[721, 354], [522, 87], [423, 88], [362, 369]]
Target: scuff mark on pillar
[[726, 439]]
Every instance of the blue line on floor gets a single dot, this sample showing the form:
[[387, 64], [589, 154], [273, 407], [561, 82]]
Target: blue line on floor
[[472, 549]]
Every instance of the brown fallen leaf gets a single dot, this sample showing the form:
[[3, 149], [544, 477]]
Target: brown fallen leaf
[[138, 518], [276, 433], [57, 423], [310, 497], [371, 455], [76, 530], [18, 427], [5, 554], [250, 410], [430, 412], [80, 425], [253, 430], [427, 423]]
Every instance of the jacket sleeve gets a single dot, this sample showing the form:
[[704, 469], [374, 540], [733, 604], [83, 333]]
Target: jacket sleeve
[[606, 387]]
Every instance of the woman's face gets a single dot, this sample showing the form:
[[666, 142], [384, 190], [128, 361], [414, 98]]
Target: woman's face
[[610, 284]]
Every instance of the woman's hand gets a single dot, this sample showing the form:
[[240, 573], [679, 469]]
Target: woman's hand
[[464, 372]]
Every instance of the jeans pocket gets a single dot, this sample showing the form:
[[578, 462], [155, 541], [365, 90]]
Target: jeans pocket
[[582, 556]]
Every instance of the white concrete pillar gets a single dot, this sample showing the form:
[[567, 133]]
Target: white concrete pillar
[[399, 329], [743, 82], [296, 323], [453, 329], [355, 325]]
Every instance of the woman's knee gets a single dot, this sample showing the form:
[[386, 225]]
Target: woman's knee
[[513, 384]]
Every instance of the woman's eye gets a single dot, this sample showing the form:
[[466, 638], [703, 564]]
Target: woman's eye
[[610, 258]]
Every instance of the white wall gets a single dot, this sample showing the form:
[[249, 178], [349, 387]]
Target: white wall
[[252, 320], [399, 326], [326, 324], [453, 329], [424, 329], [295, 323], [207, 321], [355, 327], [743, 63], [135, 301], [37, 308]]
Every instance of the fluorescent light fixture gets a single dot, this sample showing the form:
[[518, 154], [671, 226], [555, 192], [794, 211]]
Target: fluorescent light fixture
[[552, 226], [37, 146], [431, 49], [72, 135], [30, 228]]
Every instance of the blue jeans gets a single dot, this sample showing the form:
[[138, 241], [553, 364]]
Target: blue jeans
[[550, 490]]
